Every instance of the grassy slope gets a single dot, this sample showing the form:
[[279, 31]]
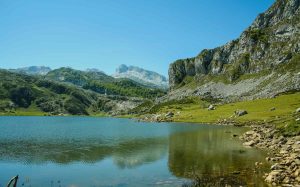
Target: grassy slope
[[33, 110], [258, 111]]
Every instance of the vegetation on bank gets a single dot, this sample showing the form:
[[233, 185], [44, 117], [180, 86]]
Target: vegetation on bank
[[280, 111], [29, 95]]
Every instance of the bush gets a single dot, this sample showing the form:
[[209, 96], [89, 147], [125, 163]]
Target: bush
[[22, 96], [258, 35], [81, 97], [75, 107]]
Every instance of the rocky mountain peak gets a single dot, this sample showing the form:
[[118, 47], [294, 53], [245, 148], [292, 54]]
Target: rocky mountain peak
[[280, 10], [122, 69], [270, 46], [32, 70], [142, 76]]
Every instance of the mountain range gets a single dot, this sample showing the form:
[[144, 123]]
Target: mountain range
[[137, 74], [142, 76], [262, 63], [66, 91], [32, 70]]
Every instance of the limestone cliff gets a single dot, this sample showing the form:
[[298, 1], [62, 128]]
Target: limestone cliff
[[270, 45]]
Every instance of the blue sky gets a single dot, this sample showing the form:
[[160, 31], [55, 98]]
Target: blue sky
[[106, 33]]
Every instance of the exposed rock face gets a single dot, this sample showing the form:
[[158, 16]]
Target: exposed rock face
[[32, 70], [271, 43], [142, 76]]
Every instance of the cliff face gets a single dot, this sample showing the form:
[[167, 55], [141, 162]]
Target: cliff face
[[271, 43]]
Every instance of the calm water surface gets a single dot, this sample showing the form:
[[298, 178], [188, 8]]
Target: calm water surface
[[86, 151]]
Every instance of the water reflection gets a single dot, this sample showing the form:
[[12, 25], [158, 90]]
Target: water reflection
[[126, 154], [142, 153], [213, 154]]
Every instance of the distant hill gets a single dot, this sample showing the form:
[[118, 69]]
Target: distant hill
[[101, 83], [77, 77], [32, 70], [141, 76], [35, 95]]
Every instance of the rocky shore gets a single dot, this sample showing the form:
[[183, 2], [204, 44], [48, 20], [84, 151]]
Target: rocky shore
[[284, 154]]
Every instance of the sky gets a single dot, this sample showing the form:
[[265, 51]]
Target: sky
[[103, 34]]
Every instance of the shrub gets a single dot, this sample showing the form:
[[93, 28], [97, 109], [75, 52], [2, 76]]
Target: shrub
[[22, 96], [75, 107]]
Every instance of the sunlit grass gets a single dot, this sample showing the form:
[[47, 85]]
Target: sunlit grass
[[258, 110]]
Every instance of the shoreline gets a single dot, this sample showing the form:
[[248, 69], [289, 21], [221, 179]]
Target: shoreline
[[285, 151]]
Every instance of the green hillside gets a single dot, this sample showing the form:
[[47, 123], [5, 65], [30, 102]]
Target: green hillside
[[102, 83]]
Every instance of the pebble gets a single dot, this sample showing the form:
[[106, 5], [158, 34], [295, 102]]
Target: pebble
[[284, 154]]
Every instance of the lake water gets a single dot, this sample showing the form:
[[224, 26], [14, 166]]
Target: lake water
[[87, 151]]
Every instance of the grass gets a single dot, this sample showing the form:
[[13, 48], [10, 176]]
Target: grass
[[33, 110], [258, 111]]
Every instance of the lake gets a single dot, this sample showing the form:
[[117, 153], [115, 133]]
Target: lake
[[90, 151]]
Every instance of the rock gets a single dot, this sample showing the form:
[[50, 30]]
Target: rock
[[211, 107], [286, 180], [273, 176], [297, 173], [236, 172], [249, 133], [240, 112], [234, 135], [275, 167], [297, 161], [250, 143], [169, 114], [298, 110], [272, 109], [298, 119]]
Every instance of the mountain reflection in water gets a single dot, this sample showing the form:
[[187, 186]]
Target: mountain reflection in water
[[133, 154]]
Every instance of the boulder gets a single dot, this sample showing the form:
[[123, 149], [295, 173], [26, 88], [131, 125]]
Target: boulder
[[250, 143], [249, 133], [273, 176], [211, 107], [275, 167], [272, 109], [169, 114], [240, 112]]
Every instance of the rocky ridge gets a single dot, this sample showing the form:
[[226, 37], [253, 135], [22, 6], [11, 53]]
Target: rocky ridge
[[266, 54], [32, 70]]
